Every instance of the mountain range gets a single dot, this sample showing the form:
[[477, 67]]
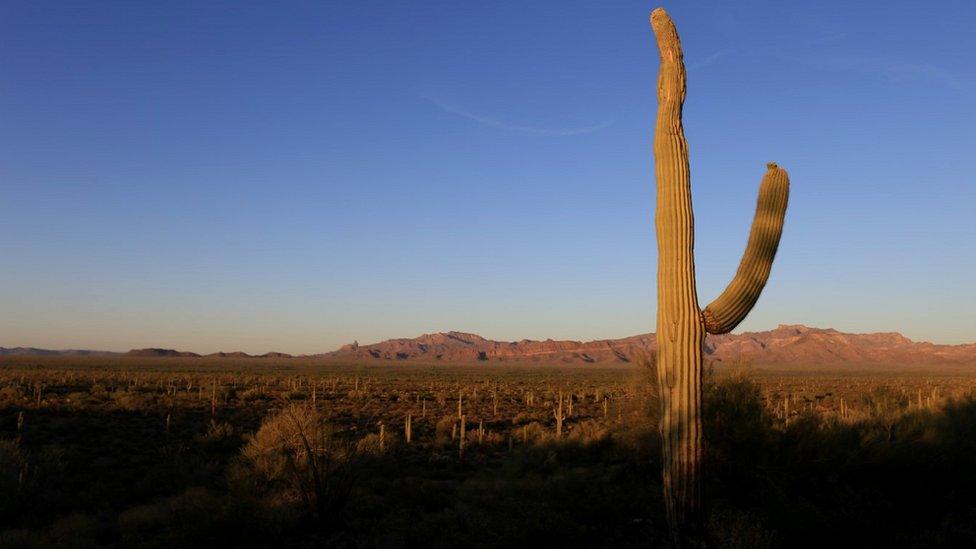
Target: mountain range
[[787, 346], [149, 352]]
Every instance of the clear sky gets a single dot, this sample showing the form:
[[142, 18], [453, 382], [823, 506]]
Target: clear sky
[[294, 176]]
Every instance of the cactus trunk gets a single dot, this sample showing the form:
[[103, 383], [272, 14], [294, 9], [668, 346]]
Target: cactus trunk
[[680, 329], [681, 325]]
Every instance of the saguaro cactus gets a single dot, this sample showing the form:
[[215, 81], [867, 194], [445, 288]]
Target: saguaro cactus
[[681, 325]]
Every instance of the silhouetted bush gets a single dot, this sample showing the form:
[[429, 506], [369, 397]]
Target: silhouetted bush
[[296, 455], [896, 478]]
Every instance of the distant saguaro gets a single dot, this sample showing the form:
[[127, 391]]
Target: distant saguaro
[[681, 325]]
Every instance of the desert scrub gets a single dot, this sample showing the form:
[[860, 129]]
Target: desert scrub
[[533, 432], [98, 392], [293, 395], [26, 480], [446, 429], [589, 432], [635, 414], [734, 408], [132, 401], [738, 429], [78, 399], [887, 408], [198, 517], [10, 396], [376, 444], [220, 436], [14, 477], [253, 394], [296, 457]]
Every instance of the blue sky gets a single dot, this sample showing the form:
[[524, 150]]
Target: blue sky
[[294, 176]]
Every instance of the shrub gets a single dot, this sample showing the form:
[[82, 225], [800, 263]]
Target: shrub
[[219, 436], [534, 432], [444, 428], [14, 477], [26, 479], [738, 430], [132, 401], [75, 530], [372, 444], [198, 517], [297, 456], [589, 432], [253, 394], [99, 392], [887, 408], [10, 395]]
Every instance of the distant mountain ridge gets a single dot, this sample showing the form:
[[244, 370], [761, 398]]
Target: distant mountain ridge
[[160, 352], [787, 346], [34, 351], [148, 352]]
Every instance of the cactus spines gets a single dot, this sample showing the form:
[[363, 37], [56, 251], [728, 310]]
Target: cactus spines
[[681, 325]]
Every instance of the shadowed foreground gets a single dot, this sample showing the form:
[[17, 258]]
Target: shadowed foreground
[[157, 459]]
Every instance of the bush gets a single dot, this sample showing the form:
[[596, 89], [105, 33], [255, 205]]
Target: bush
[[738, 433], [445, 429], [132, 401], [589, 432], [25, 479], [296, 456], [10, 395], [14, 476], [219, 437], [373, 445], [198, 517], [253, 394]]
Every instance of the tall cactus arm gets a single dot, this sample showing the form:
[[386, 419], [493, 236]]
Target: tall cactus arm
[[730, 308]]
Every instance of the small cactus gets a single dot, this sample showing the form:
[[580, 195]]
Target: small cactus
[[213, 399], [461, 439], [407, 429], [558, 414]]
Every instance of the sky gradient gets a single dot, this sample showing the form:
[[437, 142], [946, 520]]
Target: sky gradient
[[261, 176]]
